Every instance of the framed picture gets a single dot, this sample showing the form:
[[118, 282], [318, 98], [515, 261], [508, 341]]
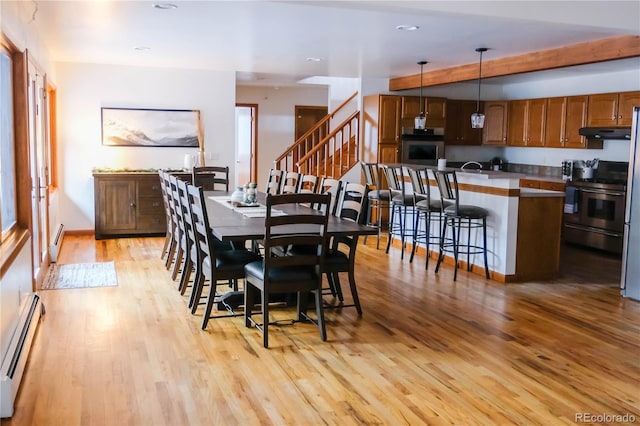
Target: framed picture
[[150, 127]]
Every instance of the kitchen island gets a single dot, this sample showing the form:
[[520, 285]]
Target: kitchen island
[[523, 227]]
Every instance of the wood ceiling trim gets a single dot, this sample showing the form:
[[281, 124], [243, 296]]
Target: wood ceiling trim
[[577, 54]]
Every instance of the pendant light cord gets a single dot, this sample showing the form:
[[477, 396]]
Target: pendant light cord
[[479, 81], [421, 63]]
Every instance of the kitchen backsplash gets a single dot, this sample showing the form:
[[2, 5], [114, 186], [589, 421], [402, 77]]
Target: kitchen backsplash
[[532, 169]]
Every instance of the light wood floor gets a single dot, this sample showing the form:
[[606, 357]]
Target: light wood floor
[[426, 351]]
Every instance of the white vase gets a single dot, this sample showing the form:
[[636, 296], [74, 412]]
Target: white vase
[[237, 197]]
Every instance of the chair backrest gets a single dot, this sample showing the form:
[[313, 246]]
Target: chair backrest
[[448, 192], [395, 178], [185, 210], [330, 186], [164, 183], [300, 226], [371, 174], [274, 183], [352, 201], [290, 183], [421, 190], [200, 221], [308, 184], [211, 178], [174, 205]]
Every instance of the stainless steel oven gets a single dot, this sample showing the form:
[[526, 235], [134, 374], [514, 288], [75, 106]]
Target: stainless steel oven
[[597, 217], [422, 146]]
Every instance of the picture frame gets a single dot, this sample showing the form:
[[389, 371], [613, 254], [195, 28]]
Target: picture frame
[[150, 127]]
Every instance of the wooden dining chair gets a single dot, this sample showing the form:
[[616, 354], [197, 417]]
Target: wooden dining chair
[[290, 183], [330, 186], [274, 182], [299, 274], [308, 184], [175, 261], [341, 254], [211, 178], [217, 265], [169, 239]]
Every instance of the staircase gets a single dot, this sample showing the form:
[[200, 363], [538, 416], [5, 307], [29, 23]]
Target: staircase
[[324, 152]]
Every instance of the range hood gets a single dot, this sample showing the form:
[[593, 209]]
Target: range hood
[[600, 133]]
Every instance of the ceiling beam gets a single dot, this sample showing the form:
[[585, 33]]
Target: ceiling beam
[[577, 54]]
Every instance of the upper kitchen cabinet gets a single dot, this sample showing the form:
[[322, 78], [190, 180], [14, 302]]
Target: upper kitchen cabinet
[[434, 109], [527, 122], [612, 109], [458, 130], [565, 116], [495, 123], [382, 128]]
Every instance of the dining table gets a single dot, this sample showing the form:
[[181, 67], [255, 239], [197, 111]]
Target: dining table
[[247, 222], [239, 222]]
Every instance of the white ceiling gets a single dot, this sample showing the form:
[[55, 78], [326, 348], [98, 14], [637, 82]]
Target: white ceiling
[[267, 42]]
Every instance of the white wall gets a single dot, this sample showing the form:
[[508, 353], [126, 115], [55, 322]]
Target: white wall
[[84, 88], [276, 120]]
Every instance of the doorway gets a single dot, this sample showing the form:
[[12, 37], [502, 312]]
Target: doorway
[[246, 143], [307, 117]]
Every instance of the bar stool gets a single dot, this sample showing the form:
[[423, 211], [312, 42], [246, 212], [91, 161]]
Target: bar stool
[[425, 207], [377, 198], [401, 203], [459, 217]]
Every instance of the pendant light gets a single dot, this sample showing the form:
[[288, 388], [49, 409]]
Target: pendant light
[[477, 118], [421, 119]]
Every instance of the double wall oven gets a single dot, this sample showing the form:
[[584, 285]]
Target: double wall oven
[[594, 213]]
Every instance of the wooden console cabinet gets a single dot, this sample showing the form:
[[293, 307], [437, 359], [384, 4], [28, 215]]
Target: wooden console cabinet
[[128, 204]]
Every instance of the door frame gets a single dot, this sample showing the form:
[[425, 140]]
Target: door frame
[[254, 139]]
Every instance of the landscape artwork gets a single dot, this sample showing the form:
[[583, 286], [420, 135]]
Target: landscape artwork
[[149, 127]]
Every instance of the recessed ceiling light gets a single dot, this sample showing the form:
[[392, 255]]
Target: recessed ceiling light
[[407, 27], [312, 59], [141, 48], [165, 6]]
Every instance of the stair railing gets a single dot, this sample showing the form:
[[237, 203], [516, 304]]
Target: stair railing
[[336, 153], [308, 141]]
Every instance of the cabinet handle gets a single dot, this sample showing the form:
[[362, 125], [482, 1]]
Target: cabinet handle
[[619, 116], [132, 205]]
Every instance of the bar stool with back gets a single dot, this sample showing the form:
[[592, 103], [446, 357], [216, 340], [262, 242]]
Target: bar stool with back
[[377, 198], [459, 216]]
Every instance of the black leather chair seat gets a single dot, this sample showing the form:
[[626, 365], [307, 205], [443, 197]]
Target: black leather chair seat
[[280, 275], [379, 194], [406, 200], [434, 206], [466, 212], [335, 257], [230, 260]]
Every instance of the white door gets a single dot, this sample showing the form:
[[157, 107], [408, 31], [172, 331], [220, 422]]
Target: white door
[[38, 124], [245, 144]]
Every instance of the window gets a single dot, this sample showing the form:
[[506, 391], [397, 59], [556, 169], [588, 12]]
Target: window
[[7, 146]]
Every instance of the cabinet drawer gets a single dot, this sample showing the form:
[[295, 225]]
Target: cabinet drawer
[[150, 205], [149, 187], [152, 223], [552, 186], [529, 183]]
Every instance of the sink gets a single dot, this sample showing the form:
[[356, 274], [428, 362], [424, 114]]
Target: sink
[[477, 167]]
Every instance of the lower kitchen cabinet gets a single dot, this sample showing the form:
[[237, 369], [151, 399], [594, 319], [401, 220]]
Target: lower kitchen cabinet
[[128, 204]]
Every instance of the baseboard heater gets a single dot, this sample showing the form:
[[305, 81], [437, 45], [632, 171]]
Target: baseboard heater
[[54, 248], [17, 354]]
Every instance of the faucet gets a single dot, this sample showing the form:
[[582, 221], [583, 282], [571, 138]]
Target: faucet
[[468, 163]]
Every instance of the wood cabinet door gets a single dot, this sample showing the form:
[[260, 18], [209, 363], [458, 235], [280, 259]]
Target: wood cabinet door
[[626, 102], [410, 108], [389, 120], [517, 120], [469, 135], [535, 124], [556, 114], [436, 109], [117, 208], [495, 123], [603, 110], [452, 131], [576, 117], [388, 153]]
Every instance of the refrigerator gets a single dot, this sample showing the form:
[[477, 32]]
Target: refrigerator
[[630, 283]]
